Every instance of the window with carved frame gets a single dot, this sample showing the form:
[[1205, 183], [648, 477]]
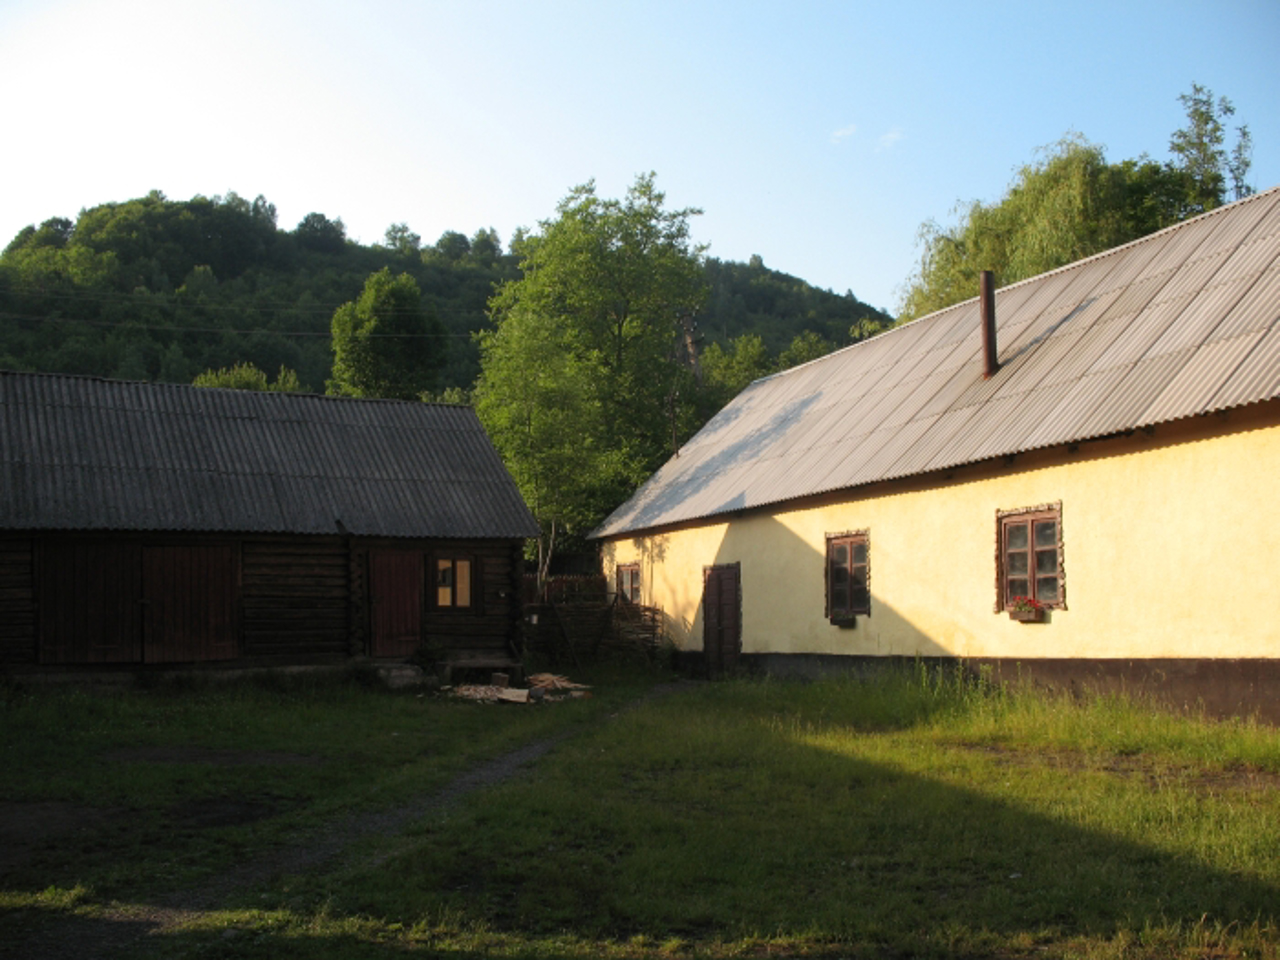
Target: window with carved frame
[[1029, 557], [848, 576]]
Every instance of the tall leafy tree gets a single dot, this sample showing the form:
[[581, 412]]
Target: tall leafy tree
[[1072, 203], [1199, 149], [385, 344], [727, 369], [400, 239], [317, 232], [589, 334]]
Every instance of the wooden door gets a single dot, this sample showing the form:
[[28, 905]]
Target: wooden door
[[190, 603], [395, 592], [88, 596], [721, 617]]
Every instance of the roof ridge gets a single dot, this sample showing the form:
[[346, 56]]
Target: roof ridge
[[166, 384], [1111, 251]]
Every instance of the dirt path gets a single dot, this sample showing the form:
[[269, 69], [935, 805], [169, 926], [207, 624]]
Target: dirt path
[[112, 932]]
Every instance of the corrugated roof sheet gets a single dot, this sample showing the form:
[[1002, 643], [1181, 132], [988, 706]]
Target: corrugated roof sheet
[[79, 453], [1183, 322]]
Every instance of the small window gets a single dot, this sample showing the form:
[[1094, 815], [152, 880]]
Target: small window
[[629, 582], [1030, 557], [848, 577], [453, 582]]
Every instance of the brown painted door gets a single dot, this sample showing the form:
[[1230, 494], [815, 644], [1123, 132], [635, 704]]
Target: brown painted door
[[89, 594], [190, 603], [721, 617], [395, 591]]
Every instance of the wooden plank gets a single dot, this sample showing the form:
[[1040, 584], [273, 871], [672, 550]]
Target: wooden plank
[[319, 591], [319, 606], [88, 593], [274, 564], [301, 646], [192, 600]]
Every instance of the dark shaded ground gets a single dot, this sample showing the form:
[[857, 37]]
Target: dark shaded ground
[[24, 826]]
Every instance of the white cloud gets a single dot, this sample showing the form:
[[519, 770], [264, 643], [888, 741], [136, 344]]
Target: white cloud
[[844, 133], [886, 141]]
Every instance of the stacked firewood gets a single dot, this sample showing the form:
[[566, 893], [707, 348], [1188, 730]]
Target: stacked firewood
[[548, 687], [553, 681]]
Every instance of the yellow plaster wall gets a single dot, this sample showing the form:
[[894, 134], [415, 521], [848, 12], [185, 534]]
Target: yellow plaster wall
[[1171, 544]]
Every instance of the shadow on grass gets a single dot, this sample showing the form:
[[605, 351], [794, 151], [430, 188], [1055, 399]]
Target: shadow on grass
[[742, 829], [740, 832]]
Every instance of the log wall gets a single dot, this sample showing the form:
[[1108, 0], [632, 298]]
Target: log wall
[[285, 599], [17, 601], [296, 596]]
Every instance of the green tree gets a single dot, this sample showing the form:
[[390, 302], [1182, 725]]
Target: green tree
[[727, 371], [806, 346], [582, 357], [317, 232], [541, 410], [452, 245], [245, 376], [1199, 151], [400, 239], [486, 247], [1073, 203], [385, 344], [866, 327]]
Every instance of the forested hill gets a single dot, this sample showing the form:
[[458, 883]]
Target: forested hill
[[159, 289]]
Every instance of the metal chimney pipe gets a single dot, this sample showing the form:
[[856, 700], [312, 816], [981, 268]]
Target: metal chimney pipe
[[987, 304]]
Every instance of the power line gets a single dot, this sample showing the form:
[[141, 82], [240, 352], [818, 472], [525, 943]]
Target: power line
[[134, 325], [169, 300]]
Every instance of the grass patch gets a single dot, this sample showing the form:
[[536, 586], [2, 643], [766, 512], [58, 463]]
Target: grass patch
[[127, 795], [917, 813]]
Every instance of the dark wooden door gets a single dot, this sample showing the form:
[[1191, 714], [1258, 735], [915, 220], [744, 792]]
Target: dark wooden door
[[190, 603], [721, 617], [88, 595], [395, 592]]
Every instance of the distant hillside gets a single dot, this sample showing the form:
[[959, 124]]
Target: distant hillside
[[158, 289], [749, 298]]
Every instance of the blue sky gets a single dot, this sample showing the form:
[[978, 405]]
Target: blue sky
[[817, 135]]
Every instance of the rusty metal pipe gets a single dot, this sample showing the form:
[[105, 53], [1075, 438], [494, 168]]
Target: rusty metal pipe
[[987, 305]]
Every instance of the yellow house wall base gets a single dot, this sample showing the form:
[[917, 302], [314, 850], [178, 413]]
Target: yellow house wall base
[[1171, 540]]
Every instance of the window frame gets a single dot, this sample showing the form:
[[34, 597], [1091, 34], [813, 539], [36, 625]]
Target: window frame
[[848, 616], [1029, 515], [475, 591], [631, 572]]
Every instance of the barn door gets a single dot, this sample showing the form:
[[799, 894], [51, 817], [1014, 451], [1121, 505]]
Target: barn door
[[395, 591], [88, 595], [190, 603], [721, 617]]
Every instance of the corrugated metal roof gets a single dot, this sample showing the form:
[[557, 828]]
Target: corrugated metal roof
[[79, 453], [1183, 322]]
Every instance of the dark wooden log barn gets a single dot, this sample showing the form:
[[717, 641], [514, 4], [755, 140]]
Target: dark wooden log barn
[[150, 524]]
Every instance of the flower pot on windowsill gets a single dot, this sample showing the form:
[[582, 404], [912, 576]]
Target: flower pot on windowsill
[[1034, 615]]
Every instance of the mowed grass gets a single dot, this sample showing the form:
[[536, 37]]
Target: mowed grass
[[910, 814]]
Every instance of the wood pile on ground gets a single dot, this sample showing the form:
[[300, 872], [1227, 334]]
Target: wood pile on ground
[[553, 681], [543, 688], [564, 631]]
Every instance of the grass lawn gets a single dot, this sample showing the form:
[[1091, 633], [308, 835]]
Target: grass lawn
[[910, 815]]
